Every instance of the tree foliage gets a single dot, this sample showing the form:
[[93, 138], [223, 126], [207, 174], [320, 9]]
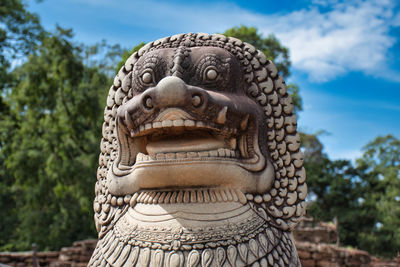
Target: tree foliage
[[380, 167], [20, 31], [364, 198], [50, 144]]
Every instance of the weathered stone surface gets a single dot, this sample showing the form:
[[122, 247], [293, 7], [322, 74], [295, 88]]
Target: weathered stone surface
[[313, 254], [312, 231], [375, 262], [200, 159], [307, 262], [26, 258]]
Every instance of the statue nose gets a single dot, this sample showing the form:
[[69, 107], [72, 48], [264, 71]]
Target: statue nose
[[171, 91]]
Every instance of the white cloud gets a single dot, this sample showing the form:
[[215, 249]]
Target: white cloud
[[326, 39], [348, 37]]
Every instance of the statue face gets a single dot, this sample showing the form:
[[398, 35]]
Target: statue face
[[200, 159], [190, 124]]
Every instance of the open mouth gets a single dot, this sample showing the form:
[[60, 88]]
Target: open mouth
[[180, 140], [174, 148]]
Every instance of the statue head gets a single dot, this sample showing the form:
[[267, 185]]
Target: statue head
[[199, 136]]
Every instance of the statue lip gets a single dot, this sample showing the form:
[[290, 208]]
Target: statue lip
[[199, 154], [181, 152], [183, 139]]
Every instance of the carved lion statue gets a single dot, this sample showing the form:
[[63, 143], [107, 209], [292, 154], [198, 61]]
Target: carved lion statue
[[200, 160]]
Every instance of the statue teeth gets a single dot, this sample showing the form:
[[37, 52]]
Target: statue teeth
[[162, 197], [189, 123], [213, 153], [227, 152], [243, 146], [139, 130], [244, 122], [204, 154], [206, 196], [157, 124], [219, 196], [166, 123], [241, 196], [146, 199], [193, 198], [173, 198], [188, 196], [156, 197], [181, 155], [222, 152], [223, 195], [160, 156], [199, 196], [128, 120], [233, 143], [179, 197], [148, 126], [178, 123], [140, 197], [213, 197], [192, 154], [234, 195], [170, 155], [228, 194], [139, 157], [133, 199], [200, 124], [221, 118]]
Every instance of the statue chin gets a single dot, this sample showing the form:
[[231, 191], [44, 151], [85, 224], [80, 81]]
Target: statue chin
[[189, 224], [203, 174]]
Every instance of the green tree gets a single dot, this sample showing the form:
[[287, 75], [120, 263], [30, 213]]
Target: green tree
[[20, 32], [50, 144], [335, 192], [364, 198], [380, 164]]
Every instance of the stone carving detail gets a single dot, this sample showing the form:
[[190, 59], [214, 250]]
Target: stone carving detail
[[200, 160]]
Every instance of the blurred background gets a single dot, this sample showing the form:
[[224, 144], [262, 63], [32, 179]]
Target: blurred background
[[58, 60]]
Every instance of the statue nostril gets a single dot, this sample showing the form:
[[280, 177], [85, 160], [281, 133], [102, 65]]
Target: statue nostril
[[197, 100], [148, 102]]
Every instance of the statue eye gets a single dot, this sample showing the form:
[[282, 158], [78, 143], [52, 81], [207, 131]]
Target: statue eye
[[147, 77], [211, 74]]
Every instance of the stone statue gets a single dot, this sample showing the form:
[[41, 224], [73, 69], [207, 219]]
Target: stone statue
[[200, 160]]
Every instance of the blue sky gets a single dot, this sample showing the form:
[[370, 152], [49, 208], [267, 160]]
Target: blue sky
[[344, 53]]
